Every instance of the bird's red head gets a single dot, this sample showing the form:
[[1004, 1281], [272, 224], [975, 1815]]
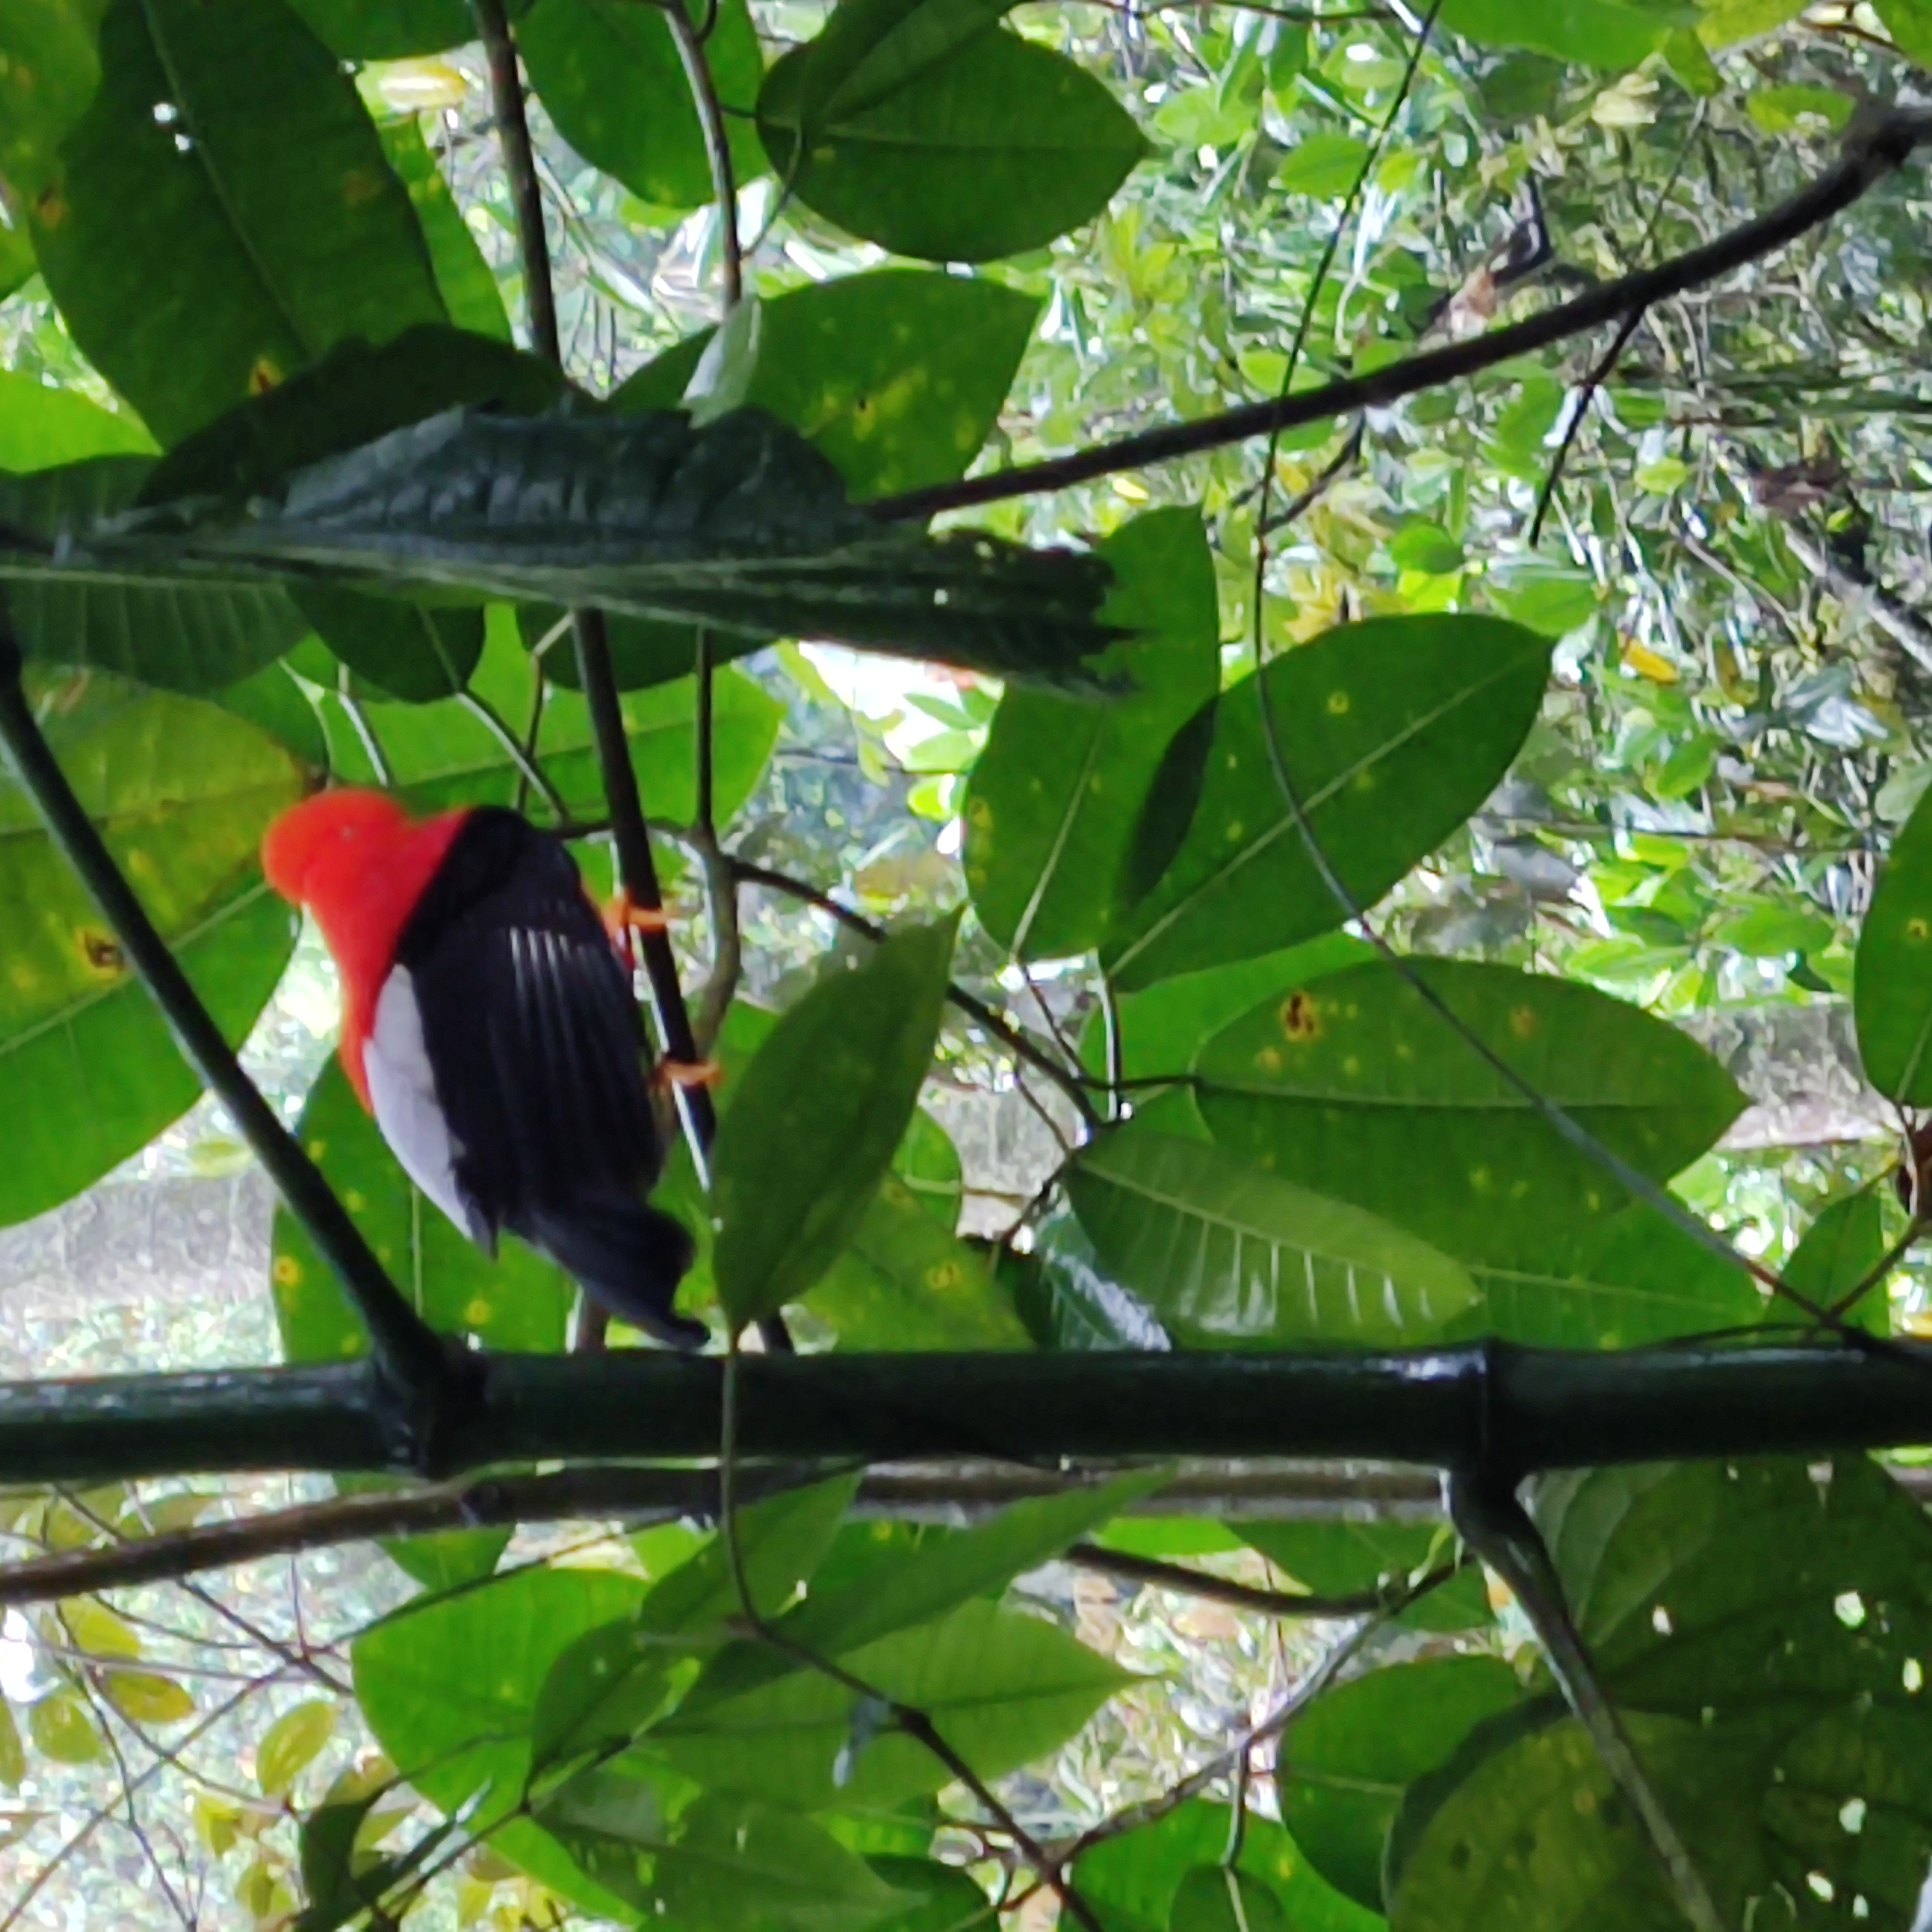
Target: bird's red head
[[359, 863]]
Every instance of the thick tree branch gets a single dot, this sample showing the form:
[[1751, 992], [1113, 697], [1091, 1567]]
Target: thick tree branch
[[1870, 152], [415, 1364], [1522, 1408]]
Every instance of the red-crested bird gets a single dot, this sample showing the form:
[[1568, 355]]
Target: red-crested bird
[[488, 1024]]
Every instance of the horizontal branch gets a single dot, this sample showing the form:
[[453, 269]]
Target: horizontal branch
[[1870, 152], [1516, 1408]]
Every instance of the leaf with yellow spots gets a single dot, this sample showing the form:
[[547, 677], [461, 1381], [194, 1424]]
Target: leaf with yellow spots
[[1392, 732], [1355, 1087], [1892, 986], [182, 792]]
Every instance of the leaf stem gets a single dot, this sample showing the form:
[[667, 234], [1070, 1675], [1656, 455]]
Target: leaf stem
[[717, 143], [410, 1356]]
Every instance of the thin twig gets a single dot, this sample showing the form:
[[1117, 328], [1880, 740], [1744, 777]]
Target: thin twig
[[717, 143], [529, 771], [1870, 154], [1186, 1582]]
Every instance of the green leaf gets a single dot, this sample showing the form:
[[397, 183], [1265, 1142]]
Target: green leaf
[[1333, 1559], [1394, 732], [1212, 1898], [1133, 1879], [1065, 1301], [1908, 22], [1358, 1746], [202, 256], [381, 30], [1003, 1689], [948, 1899], [403, 649], [185, 637], [450, 1690], [1841, 1249], [1891, 987], [609, 74], [62, 1729], [291, 1744], [743, 525], [998, 148], [1788, 110], [273, 701], [817, 1115], [906, 1281], [463, 277], [1593, 33], [896, 375], [1322, 165], [869, 50], [12, 1753], [1355, 1087], [41, 426], [1727, 21], [49, 72], [1053, 798], [1226, 1254], [182, 793]]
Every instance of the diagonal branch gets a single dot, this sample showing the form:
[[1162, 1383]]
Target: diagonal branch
[[410, 1357], [1870, 152]]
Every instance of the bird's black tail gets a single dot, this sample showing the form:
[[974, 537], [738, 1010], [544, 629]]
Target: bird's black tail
[[628, 1256]]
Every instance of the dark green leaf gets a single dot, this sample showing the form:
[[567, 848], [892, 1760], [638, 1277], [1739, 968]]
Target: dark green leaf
[[408, 652], [816, 1117], [1355, 1087], [185, 637], [1212, 1898], [1133, 1880], [870, 49], [896, 375], [1394, 732], [1226, 1254], [182, 793], [997, 148], [49, 71], [1359, 1745], [743, 525], [609, 74], [1003, 1688], [1342, 1558], [1891, 995], [1065, 1299], [381, 30], [202, 255], [1054, 796], [463, 277], [948, 1900], [340, 1884], [274, 702]]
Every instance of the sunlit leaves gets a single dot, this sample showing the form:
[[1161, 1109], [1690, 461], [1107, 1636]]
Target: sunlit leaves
[[226, 212], [291, 1743], [816, 1117], [1391, 732]]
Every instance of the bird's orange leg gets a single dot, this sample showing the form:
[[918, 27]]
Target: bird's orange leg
[[686, 1073], [623, 915]]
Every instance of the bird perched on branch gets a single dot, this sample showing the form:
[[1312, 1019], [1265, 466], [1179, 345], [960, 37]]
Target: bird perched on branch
[[488, 1024]]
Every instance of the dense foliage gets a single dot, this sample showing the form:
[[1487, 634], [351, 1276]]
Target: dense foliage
[[1344, 840]]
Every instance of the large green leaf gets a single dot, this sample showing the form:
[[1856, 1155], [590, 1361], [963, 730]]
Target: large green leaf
[[609, 74], [1593, 33], [181, 793], [997, 148], [193, 637], [1218, 1898], [49, 71], [1355, 1087], [450, 1690], [226, 213], [1133, 1879], [403, 649], [1342, 1558], [1394, 731], [41, 426], [816, 1117], [1225, 1253], [1003, 1689], [1841, 1251], [463, 277], [1054, 796], [741, 524], [897, 375], [1359, 1745], [1892, 991]]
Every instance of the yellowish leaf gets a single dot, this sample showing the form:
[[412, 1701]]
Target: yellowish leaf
[[1650, 664], [62, 1729], [12, 1753], [142, 1698], [290, 1744], [97, 1631]]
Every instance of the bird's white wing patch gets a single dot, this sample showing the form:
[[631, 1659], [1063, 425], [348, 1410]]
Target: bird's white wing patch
[[402, 1091]]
